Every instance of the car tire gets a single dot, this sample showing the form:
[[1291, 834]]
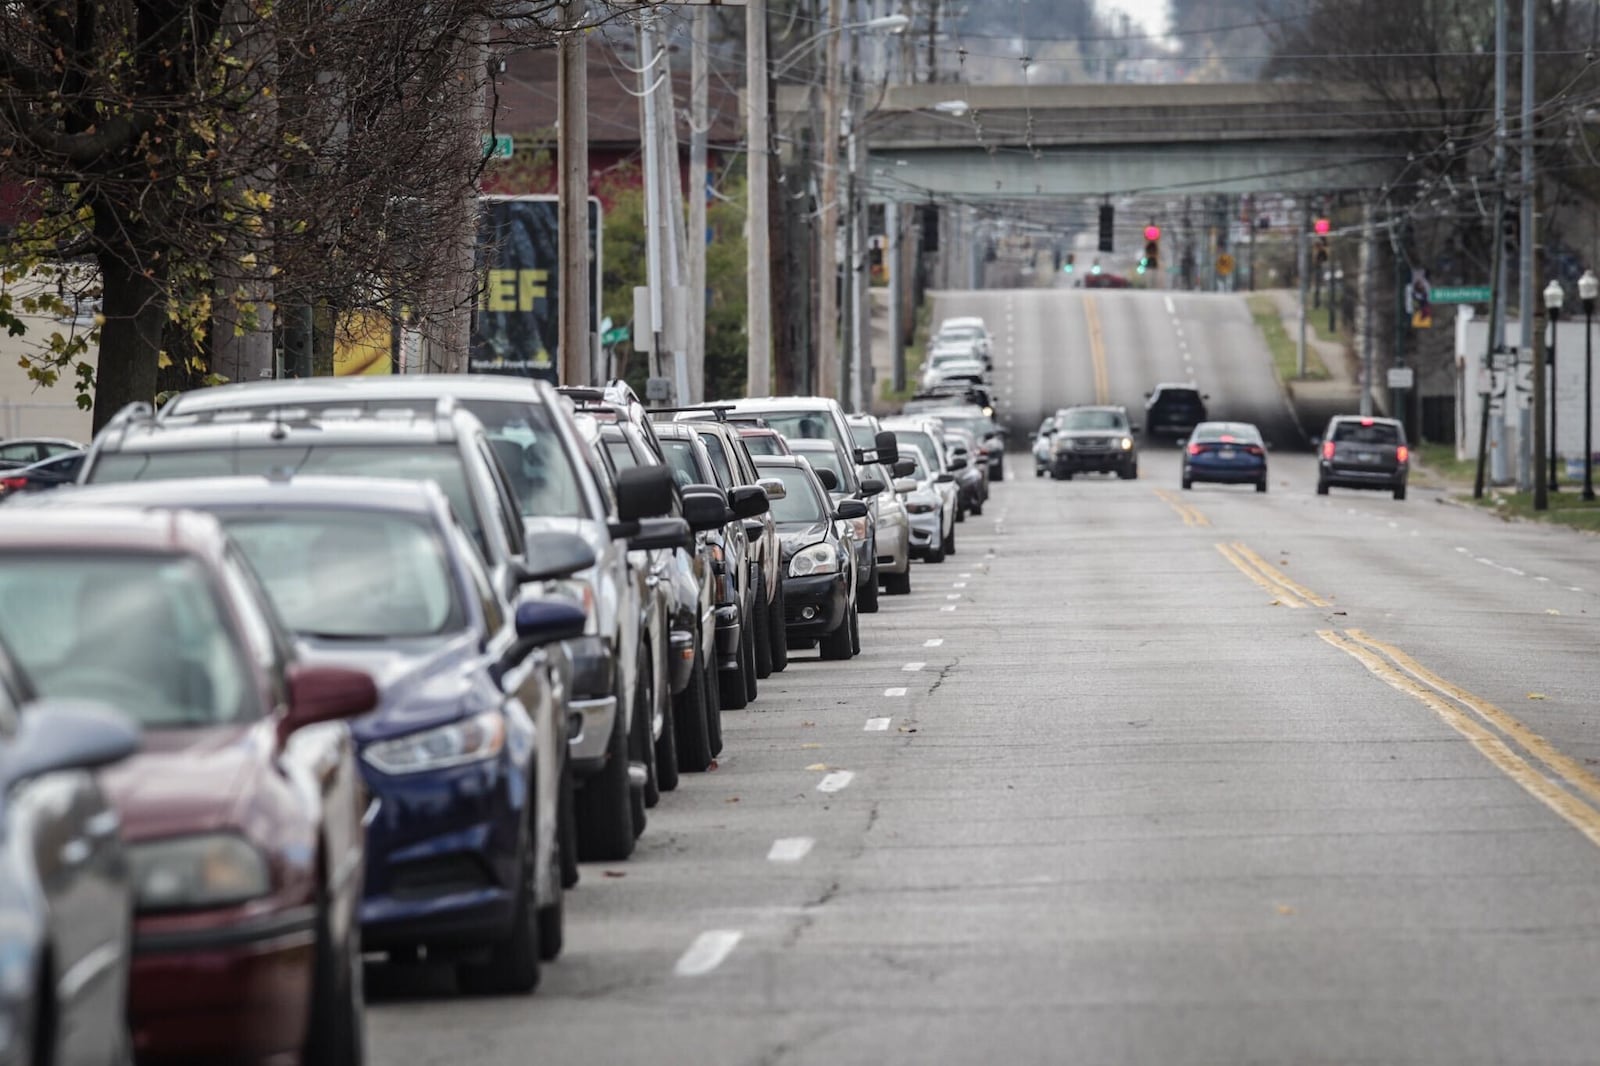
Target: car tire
[[977, 508], [749, 653], [692, 721], [867, 594], [761, 643], [1322, 488], [999, 471], [934, 554], [552, 930], [1400, 492], [667, 751], [778, 631], [949, 545], [336, 1032], [567, 827], [1261, 486], [1065, 475], [1188, 482], [898, 584], [1038, 471], [1128, 473], [731, 691], [836, 645], [644, 744], [513, 965], [855, 632], [605, 804], [713, 713]]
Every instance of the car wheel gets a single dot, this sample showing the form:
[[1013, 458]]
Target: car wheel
[[1128, 473], [977, 508], [1261, 486], [567, 827], [667, 750], [713, 712], [1038, 471], [1065, 475], [1399, 492], [950, 542], [934, 555], [763, 636], [731, 689], [898, 584], [1322, 488], [855, 632], [513, 964], [552, 930], [644, 744], [336, 1034], [1188, 482], [605, 803], [999, 472], [867, 594], [749, 652], [777, 632], [961, 510], [692, 721], [836, 645]]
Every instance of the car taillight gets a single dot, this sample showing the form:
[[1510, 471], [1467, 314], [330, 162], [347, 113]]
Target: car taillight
[[1253, 449], [1327, 449], [13, 483], [1194, 449], [1402, 453]]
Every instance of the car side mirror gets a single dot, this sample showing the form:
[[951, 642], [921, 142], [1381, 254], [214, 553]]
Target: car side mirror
[[888, 447], [903, 468], [705, 507], [776, 490], [541, 622], [905, 484], [871, 486], [848, 509], [829, 482], [958, 464], [749, 501], [657, 534], [553, 555], [57, 735], [644, 492], [325, 694], [944, 479], [1133, 427]]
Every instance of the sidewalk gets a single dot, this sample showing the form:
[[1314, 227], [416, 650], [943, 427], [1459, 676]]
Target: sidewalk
[[1314, 402]]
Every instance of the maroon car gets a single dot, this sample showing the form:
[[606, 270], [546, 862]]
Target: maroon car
[[242, 814]]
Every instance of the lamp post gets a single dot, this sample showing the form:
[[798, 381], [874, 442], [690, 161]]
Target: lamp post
[[1588, 289], [1554, 297]]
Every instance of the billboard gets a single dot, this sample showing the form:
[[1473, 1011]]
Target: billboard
[[516, 323], [363, 343]]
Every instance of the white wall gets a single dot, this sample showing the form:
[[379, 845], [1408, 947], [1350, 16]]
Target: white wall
[[1471, 336], [26, 408]]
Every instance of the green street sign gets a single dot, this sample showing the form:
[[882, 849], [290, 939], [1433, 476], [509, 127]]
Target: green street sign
[[502, 147], [616, 336], [1460, 294]]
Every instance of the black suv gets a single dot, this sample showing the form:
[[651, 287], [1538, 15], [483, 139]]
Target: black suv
[[1090, 439], [1173, 410], [1363, 453]]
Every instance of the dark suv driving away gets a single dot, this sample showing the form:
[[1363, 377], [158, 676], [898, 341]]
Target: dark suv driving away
[[1173, 410], [1363, 453]]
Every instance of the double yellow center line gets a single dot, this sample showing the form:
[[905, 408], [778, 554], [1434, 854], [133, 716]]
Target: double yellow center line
[[1190, 514], [1289, 593], [1097, 351], [1556, 780]]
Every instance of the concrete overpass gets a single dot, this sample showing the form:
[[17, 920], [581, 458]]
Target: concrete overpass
[[1009, 142]]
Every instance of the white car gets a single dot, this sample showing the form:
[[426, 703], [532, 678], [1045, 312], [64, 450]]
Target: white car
[[969, 330], [936, 369], [971, 370], [1041, 446]]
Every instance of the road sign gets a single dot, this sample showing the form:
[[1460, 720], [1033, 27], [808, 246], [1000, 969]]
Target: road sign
[[502, 146], [1461, 294], [1224, 264], [616, 336], [1401, 377]]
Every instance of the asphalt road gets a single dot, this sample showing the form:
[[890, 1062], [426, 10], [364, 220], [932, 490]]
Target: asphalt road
[[1166, 777]]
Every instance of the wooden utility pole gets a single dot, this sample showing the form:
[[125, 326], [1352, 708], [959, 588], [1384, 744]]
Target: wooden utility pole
[[699, 119], [575, 337], [828, 223], [758, 249]]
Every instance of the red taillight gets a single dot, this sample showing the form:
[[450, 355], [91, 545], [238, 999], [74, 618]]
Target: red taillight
[[1194, 449], [1254, 450], [13, 482], [1366, 421], [1327, 449], [1402, 453], [1227, 438]]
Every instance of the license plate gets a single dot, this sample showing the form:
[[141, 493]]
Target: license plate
[[1366, 457], [1227, 453]]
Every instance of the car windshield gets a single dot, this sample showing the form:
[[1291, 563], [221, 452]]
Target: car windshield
[[439, 463], [950, 355], [763, 444], [350, 574], [621, 455], [1358, 433], [1089, 418], [978, 425], [141, 632], [863, 436], [535, 460], [803, 425], [800, 505], [824, 459], [680, 460], [719, 459], [1178, 398], [912, 454], [917, 439]]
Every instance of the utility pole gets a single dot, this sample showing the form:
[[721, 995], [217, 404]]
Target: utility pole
[[1300, 258], [574, 332], [678, 314], [1527, 458], [758, 270], [654, 278], [1369, 267], [1498, 460], [699, 119], [828, 222], [897, 342]]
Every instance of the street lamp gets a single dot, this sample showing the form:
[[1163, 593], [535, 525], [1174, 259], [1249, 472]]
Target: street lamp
[[1588, 289], [1554, 297], [890, 24]]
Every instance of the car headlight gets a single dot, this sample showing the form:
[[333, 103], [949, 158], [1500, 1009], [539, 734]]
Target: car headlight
[[470, 740], [858, 527], [1063, 444], [817, 559], [1127, 444], [194, 872]]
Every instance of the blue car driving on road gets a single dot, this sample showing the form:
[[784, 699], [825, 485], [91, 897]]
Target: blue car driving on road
[[1229, 452]]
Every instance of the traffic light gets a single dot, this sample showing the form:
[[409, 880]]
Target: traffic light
[[1322, 226], [1108, 218], [1152, 252], [1068, 265], [1510, 227], [1321, 251]]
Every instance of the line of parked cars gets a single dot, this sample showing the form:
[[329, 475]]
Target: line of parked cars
[[300, 676]]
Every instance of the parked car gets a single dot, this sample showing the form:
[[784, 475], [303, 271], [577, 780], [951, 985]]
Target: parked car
[[1042, 439], [554, 481], [926, 432], [1093, 439], [968, 329], [42, 476], [1173, 410], [1229, 452], [819, 584], [470, 840], [830, 462], [1363, 453], [65, 917], [990, 437], [892, 527], [973, 479], [242, 813], [25, 451], [930, 512]]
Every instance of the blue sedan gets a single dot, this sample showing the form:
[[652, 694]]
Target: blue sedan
[[1229, 452]]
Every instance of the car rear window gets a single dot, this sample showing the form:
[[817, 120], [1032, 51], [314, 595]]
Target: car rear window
[[680, 458], [763, 444], [1241, 431], [1091, 419], [1179, 398], [1356, 433]]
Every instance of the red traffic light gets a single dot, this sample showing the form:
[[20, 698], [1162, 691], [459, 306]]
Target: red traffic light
[[1322, 226], [1152, 232]]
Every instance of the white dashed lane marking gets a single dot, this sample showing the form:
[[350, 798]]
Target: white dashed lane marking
[[912, 668], [791, 849], [877, 725], [892, 692], [934, 643], [835, 781], [707, 952]]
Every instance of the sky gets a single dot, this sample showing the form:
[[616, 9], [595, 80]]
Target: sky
[[1151, 14]]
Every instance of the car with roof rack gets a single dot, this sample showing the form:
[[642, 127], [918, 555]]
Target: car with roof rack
[[525, 454], [819, 580]]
